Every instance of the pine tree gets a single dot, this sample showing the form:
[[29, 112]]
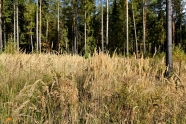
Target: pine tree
[[169, 38], [37, 36], [1, 42], [117, 27], [29, 17], [7, 14]]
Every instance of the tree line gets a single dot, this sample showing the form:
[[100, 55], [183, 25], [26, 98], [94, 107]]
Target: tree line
[[80, 26]]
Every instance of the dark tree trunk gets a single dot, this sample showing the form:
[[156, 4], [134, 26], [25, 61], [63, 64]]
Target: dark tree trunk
[[76, 26], [58, 37], [168, 38], [1, 42], [37, 40]]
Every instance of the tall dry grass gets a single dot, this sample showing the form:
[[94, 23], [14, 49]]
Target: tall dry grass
[[51, 89]]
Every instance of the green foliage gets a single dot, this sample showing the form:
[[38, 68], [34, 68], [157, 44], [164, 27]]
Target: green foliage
[[117, 27], [86, 55], [7, 11], [154, 20], [10, 47], [178, 54], [1, 52], [29, 16]]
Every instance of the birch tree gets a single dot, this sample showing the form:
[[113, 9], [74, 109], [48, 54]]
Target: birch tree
[[127, 30], [107, 25], [14, 24], [40, 26], [85, 28], [77, 2], [17, 25], [30, 21], [144, 26], [102, 41], [136, 42]]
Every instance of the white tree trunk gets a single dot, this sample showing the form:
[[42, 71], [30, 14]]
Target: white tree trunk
[[17, 27], [31, 41], [85, 30], [40, 27], [107, 25], [47, 30], [127, 30], [102, 26], [136, 42], [144, 28], [14, 26]]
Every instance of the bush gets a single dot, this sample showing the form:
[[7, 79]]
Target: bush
[[10, 47], [178, 54]]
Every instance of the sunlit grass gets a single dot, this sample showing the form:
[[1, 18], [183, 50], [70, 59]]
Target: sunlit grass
[[51, 89]]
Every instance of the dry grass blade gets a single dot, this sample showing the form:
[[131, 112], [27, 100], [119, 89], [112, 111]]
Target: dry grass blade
[[100, 89]]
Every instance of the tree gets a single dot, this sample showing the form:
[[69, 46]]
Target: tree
[[102, 41], [14, 23], [58, 37], [7, 21], [1, 42], [85, 28], [29, 20], [155, 14], [79, 24], [168, 38], [178, 16], [76, 27], [40, 26], [135, 34], [86, 14], [37, 38], [127, 30], [107, 24], [17, 25], [144, 28], [117, 27]]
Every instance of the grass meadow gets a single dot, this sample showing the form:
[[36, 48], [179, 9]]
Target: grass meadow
[[66, 89]]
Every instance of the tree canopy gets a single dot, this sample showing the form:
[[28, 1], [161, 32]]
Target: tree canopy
[[63, 25]]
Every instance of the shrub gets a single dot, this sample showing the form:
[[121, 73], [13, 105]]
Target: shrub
[[10, 47]]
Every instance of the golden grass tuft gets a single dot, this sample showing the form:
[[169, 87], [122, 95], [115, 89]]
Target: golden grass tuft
[[57, 89]]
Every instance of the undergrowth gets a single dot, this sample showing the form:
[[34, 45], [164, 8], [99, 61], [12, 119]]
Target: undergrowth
[[51, 89]]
